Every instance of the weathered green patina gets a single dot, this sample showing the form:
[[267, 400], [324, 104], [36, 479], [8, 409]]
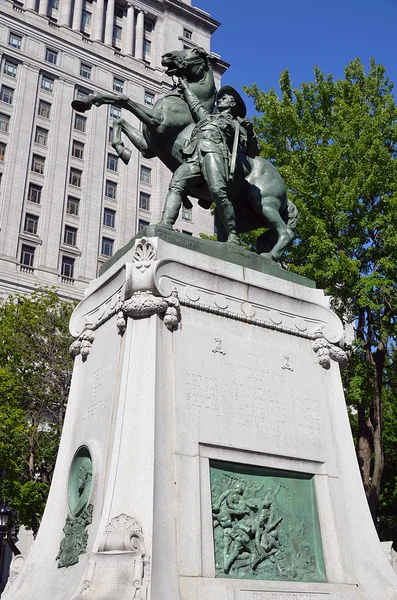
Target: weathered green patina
[[80, 481], [253, 195], [79, 489], [265, 524], [76, 538]]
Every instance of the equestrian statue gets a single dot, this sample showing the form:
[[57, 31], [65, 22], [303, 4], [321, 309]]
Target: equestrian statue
[[213, 155]]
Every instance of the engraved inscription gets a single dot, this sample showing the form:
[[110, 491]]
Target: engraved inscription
[[95, 408], [202, 394], [251, 595], [258, 401], [95, 389]]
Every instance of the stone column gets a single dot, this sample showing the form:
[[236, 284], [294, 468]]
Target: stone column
[[109, 23], [139, 33], [128, 32], [30, 5], [65, 11], [98, 25], [43, 7], [78, 8]]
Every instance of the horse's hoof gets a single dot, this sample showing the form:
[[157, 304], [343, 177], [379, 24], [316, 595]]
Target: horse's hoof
[[125, 155], [233, 239], [164, 225], [81, 105]]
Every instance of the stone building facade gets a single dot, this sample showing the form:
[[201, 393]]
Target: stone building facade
[[67, 202]]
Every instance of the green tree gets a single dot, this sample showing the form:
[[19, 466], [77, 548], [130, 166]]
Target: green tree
[[35, 373], [334, 142]]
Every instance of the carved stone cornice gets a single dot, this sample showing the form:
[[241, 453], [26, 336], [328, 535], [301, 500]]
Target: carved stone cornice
[[148, 284]]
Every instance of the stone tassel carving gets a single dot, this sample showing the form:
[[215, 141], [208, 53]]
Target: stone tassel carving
[[145, 304], [326, 351]]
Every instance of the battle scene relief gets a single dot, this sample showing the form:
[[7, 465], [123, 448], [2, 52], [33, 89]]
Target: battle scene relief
[[265, 524]]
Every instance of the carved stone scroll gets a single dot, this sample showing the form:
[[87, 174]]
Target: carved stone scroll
[[124, 534]]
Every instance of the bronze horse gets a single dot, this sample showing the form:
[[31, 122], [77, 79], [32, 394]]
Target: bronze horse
[[257, 190]]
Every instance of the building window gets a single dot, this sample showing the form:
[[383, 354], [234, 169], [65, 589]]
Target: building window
[[111, 190], [144, 201], [148, 26], [80, 123], [15, 41], [77, 149], [118, 85], [10, 68], [44, 109], [85, 19], [107, 246], [75, 177], [110, 135], [187, 34], [70, 235], [51, 56], [115, 111], [142, 224], [27, 256], [81, 94], [34, 193], [53, 4], [147, 49], [109, 217], [146, 174], [2, 150], [72, 206], [187, 232], [118, 12], [38, 164], [186, 214], [6, 94], [116, 35], [4, 123], [112, 163], [67, 267], [85, 71], [31, 223], [41, 136], [149, 98], [47, 84]]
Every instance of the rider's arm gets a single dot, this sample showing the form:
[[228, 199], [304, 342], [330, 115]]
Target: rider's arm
[[248, 140], [196, 108]]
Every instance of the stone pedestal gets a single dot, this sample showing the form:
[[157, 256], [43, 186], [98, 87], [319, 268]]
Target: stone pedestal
[[206, 451]]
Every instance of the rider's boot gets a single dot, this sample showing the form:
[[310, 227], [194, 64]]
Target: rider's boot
[[171, 210], [227, 216]]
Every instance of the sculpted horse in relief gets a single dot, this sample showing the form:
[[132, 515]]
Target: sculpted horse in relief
[[257, 191]]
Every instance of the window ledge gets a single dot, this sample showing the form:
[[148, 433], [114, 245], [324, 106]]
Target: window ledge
[[70, 250]]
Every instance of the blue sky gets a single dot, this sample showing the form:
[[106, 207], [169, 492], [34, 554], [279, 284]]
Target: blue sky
[[261, 38]]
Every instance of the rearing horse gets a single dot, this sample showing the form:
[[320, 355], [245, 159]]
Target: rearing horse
[[257, 190]]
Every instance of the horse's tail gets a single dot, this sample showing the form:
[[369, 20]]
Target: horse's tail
[[292, 215]]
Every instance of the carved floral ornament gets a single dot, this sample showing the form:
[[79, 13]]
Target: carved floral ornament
[[137, 298]]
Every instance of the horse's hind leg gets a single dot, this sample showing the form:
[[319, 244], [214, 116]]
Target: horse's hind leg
[[134, 135], [270, 211]]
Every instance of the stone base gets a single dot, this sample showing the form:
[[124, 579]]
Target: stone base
[[185, 361]]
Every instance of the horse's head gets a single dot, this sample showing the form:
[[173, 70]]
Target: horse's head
[[190, 64]]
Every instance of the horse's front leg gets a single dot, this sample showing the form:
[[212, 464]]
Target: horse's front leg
[[97, 99], [134, 135]]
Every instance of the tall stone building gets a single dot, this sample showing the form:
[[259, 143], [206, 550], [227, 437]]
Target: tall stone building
[[67, 202]]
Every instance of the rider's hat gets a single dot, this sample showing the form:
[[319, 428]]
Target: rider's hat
[[241, 109]]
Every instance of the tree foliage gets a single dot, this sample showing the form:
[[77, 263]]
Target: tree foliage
[[35, 373], [334, 142]]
